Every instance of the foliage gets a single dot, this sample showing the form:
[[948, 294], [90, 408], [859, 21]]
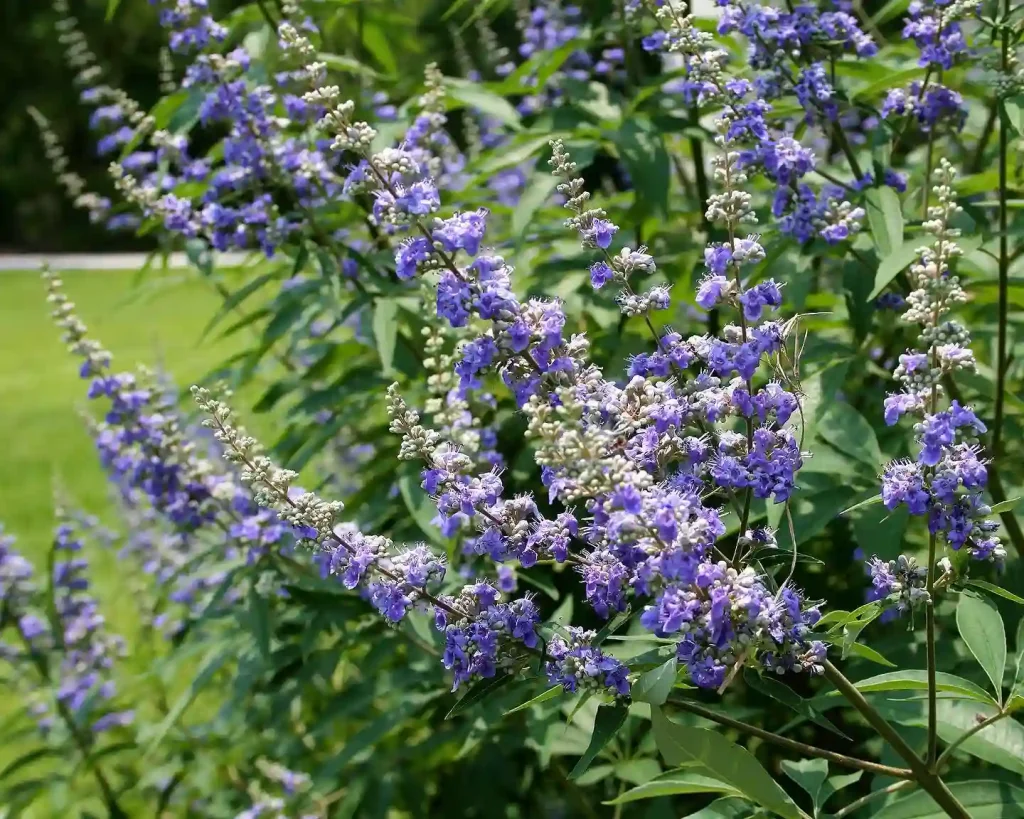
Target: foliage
[[718, 452]]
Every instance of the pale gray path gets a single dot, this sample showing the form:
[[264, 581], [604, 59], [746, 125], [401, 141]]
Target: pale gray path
[[10, 262]]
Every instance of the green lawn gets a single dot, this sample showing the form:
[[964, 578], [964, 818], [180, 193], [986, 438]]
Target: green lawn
[[157, 321]]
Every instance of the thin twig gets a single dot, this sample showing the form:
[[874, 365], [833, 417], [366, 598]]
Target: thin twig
[[922, 774], [960, 740], [791, 744], [855, 806]]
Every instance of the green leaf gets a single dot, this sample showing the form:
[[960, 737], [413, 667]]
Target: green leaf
[[385, 332], [340, 62], [1001, 743], [596, 774], [377, 42], [582, 701], [368, 737], [730, 807], [891, 10], [1005, 506], [999, 591], [981, 627], [27, 759], [733, 765], [849, 624], [837, 783], [892, 79], [674, 783], [872, 501], [212, 662], [516, 154], [849, 432], [608, 721], [867, 653], [611, 626], [419, 504], [655, 685], [233, 300], [643, 152], [258, 617], [982, 800], [538, 190], [782, 693], [1013, 110], [809, 774], [917, 680], [638, 771], [473, 95], [478, 692], [891, 265], [1018, 685], [550, 694], [112, 9], [885, 215]]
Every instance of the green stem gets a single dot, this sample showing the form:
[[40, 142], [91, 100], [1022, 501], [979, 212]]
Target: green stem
[[922, 774], [847, 150], [1004, 259], [81, 742], [791, 744], [933, 704]]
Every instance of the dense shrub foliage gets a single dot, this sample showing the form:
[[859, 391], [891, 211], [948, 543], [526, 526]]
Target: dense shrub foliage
[[648, 424]]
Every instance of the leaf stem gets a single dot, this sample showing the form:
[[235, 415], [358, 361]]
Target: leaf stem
[[922, 774], [857, 805], [956, 743], [791, 744]]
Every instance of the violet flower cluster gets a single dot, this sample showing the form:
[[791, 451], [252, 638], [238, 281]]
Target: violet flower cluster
[[935, 28], [483, 634], [278, 793], [946, 479], [178, 499], [63, 643], [637, 456], [787, 62], [901, 580]]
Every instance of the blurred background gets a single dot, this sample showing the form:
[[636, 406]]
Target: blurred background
[[35, 215]]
